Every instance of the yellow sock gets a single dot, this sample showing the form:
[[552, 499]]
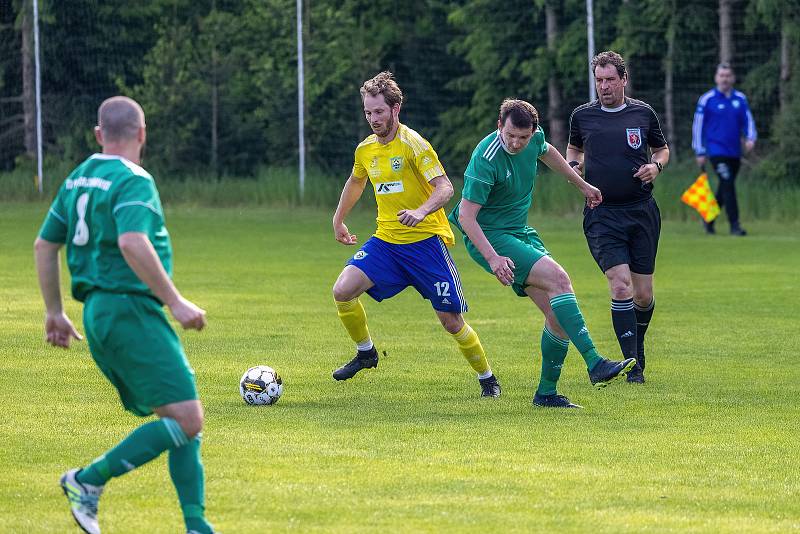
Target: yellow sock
[[471, 348], [354, 319]]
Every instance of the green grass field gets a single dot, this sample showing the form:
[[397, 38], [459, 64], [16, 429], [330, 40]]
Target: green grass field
[[709, 444]]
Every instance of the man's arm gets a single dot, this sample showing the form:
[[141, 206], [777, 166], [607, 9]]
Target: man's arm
[[697, 134], [502, 266], [649, 171], [351, 192], [140, 255], [57, 326], [575, 154], [442, 192], [553, 159], [750, 133]]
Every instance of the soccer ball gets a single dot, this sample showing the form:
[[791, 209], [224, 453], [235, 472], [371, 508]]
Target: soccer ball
[[261, 385]]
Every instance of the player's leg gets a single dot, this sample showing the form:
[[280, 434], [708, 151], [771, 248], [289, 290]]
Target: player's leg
[[372, 269], [643, 251], [185, 464], [623, 315], [644, 304], [732, 207], [352, 282], [554, 345], [550, 277], [148, 371], [470, 346]]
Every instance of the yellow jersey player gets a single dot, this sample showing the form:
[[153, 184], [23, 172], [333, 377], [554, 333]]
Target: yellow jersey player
[[409, 247]]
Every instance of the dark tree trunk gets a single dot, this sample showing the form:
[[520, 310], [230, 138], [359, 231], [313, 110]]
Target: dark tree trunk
[[555, 116]]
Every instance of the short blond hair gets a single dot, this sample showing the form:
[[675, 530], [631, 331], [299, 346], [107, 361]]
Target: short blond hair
[[523, 114], [383, 84]]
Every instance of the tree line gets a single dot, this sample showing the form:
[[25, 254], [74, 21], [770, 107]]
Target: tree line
[[218, 78]]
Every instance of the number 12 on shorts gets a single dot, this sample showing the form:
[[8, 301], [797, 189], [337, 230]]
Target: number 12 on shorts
[[442, 289]]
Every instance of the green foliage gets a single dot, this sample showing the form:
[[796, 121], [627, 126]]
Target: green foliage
[[218, 78]]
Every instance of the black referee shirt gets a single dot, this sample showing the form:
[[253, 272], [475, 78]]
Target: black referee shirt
[[615, 144]]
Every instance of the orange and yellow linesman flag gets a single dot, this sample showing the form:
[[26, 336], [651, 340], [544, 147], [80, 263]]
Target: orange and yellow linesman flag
[[700, 197]]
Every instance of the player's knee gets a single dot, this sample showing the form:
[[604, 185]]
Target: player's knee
[[561, 281], [191, 423], [643, 296], [452, 322], [341, 292]]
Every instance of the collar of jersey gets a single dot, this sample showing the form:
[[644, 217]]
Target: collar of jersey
[[616, 109]]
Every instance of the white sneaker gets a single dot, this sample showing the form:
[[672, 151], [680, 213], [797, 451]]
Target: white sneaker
[[82, 501]]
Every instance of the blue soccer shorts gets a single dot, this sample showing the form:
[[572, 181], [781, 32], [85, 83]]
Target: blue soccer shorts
[[426, 265]]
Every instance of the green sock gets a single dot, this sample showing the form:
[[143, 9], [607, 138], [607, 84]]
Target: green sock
[[569, 316], [139, 447], [554, 351], [186, 470]]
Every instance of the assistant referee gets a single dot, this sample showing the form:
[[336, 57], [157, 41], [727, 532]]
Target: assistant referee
[[618, 144]]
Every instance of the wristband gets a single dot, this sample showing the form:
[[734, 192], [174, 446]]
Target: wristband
[[574, 163], [659, 166]]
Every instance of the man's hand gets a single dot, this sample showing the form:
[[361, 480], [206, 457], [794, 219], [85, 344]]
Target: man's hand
[[749, 146], [578, 168], [647, 173], [188, 314], [411, 217], [593, 195], [701, 161], [60, 330], [343, 235], [503, 269]]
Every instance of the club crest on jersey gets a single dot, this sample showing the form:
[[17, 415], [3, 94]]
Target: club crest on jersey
[[360, 255], [397, 163], [634, 137]]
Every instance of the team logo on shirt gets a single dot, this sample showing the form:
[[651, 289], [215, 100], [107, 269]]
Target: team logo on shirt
[[360, 255], [735, 103], [397, 163], [634, 137]]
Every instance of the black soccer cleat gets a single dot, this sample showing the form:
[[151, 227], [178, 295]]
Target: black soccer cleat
[[490, 387], [738, 230], [364, 360], [709, 227], [606, 371], [553, 401], [635, 375]]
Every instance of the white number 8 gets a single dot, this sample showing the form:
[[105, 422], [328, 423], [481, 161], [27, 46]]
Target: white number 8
[[81, 229]]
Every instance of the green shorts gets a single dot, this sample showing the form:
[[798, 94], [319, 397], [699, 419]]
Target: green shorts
[[134, 345], [524, 247]]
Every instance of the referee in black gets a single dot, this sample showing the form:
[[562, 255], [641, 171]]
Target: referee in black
[[618, 145]]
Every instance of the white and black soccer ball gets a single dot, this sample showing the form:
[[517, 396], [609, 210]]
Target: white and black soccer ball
[[261, 385]]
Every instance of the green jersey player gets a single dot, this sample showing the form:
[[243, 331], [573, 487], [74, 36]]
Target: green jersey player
[[108, 214], [492, 216]]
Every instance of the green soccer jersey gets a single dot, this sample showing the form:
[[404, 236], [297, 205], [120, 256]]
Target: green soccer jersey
[[501, 183], [104, 197]]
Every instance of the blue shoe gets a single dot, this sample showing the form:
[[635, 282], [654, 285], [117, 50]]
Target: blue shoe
[[82, 501], [553, 401], [606, 371], [635, 375], [490, 387]]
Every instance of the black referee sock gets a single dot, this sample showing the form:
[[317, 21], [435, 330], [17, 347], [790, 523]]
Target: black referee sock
[[643, 316], [624, 319]]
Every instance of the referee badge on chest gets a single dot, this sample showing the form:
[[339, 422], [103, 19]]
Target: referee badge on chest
[[634, 137]]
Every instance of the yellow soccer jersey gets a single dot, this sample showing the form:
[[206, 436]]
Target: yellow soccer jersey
[[400, 172]]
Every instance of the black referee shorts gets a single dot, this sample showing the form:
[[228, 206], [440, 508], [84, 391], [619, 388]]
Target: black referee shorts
[[624, 234]]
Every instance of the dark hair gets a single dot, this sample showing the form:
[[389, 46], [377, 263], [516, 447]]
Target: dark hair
[[383, 84], [609, 58], [522, 114], [724, 65]]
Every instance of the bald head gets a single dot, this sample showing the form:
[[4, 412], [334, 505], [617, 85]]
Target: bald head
[[119, 119]]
